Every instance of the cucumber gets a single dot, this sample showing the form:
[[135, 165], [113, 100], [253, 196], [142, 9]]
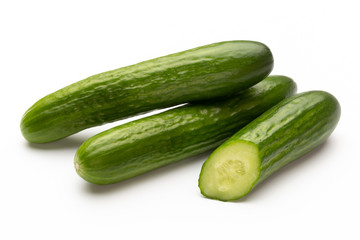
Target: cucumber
[[215, 70], [137, 147], [282, 134]]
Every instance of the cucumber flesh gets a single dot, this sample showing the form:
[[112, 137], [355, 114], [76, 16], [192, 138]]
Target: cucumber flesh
[[231, 171]]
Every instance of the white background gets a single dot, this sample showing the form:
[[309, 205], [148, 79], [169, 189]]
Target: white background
[[46, 45]]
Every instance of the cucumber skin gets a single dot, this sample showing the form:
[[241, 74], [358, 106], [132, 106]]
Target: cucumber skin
[[137, 147], [289, 130], [206, 72]]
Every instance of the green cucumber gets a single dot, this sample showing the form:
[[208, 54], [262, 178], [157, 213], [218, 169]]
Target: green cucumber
[[282, 134], [215, 70], [137, 147]]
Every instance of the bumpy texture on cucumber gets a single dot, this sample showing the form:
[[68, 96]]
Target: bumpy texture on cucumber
[[282, 134], [215, 70], [140, 146]]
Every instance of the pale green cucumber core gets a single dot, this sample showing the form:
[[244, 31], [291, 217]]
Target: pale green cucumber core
[[77, 166], [231, 171]]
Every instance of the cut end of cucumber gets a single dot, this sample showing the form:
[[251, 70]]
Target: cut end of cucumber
[[230, 172]]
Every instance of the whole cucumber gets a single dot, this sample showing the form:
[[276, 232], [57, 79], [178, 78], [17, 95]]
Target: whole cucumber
[[137, 147], [281, 135], [215, 70]]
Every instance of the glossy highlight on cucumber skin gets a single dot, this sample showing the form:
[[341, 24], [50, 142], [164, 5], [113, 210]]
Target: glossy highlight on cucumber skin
[[281, 135], [211, 71], [140, 146]]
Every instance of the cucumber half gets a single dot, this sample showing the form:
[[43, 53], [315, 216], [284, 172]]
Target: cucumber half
[[279, 136]]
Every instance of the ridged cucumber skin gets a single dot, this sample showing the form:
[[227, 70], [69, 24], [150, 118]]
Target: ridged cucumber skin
[[215, 70], [287, 131], [137, 147]]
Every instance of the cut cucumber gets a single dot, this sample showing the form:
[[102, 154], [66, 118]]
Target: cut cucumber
[[282, 134]]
